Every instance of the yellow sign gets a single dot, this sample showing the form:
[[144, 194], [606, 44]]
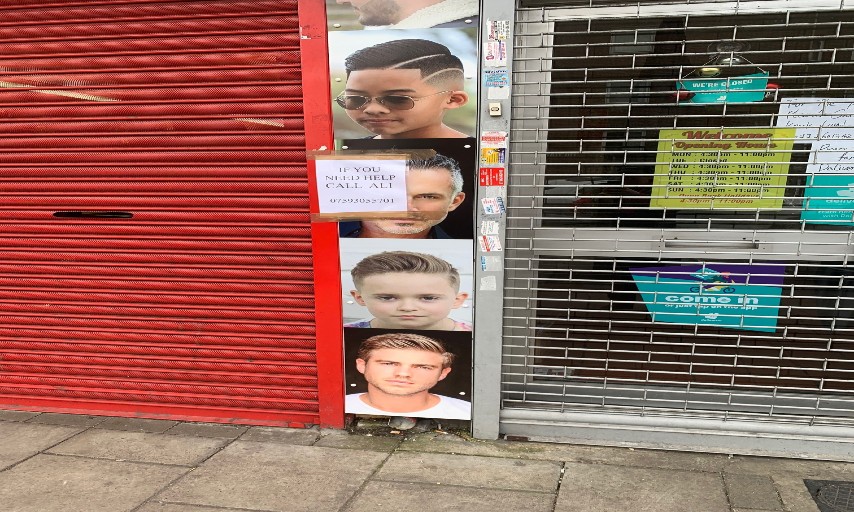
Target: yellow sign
[[715, 168]]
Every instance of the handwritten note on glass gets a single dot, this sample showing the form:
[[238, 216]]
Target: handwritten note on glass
[[832, 157], [818, 118]]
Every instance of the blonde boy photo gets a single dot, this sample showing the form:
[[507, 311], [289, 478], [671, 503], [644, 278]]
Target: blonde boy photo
[[408, 290], [402, 89]]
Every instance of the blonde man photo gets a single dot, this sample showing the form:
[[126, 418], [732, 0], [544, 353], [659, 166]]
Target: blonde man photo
[[400, 369]]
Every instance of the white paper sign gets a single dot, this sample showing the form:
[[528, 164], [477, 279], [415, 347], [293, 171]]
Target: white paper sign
[[489, 227], [832, 157], [493, 139], [818, 118], [489, 243], [352, 186], [490, 263], [488, 283], [490, 205], [495, 54], [497, 93]]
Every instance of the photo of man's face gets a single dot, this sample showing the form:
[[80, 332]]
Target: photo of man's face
[[391, 120], [402, 372], [402, 14], [408, 373], [375, 12], [428, 191]]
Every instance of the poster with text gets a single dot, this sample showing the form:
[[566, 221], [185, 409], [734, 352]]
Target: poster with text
[[720, 295], [729, 168], [818, 118], [351, 186], [829, 199]]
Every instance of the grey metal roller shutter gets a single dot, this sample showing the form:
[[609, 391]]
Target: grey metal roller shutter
[[594, 87]]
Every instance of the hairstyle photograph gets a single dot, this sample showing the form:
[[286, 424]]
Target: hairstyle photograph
[[458, 156], [455, 347], [433, 60], [439, 271], [346, 15], [404, 262], [445, 61]]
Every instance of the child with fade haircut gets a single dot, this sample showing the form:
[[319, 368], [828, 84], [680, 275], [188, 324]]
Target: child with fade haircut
[[408, 290], [402, 89]]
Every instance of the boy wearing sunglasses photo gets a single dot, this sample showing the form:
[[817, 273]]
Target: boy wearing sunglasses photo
[[402, 89]]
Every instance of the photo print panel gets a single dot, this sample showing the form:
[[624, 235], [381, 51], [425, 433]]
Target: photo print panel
[[419, 374], [444, 183], [349, 15], [407, 284], [417, 84]]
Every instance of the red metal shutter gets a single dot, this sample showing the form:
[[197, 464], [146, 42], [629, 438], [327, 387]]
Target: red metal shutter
[[155, 253]]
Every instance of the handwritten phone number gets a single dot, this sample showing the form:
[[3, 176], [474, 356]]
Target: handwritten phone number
[[361, 201]]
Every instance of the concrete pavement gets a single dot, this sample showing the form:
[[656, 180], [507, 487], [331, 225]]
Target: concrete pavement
[[56, 462]]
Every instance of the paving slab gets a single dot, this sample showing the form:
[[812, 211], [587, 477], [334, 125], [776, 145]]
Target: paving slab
[[69, 420], [814, 469], [140, 447], [344, 439], [794, 493], [137, 424], [448, 443], [402, 496], [177, 507], [300, 436], [275, 477], [752, 491], [52, 483], [17, 415], [22, 440], [209, 430], [472, 471], [589, 487]]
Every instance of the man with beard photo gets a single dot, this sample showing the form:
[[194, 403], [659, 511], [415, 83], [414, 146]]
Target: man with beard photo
[[434, 186]]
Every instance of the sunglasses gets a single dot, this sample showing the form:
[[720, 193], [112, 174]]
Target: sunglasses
[[390, 101]]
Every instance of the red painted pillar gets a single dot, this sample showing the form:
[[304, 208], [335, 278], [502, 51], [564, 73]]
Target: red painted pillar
[[324, 235]]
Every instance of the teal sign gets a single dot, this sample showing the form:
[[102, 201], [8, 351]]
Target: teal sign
[[829, 199], [729, 296], [738, 89]]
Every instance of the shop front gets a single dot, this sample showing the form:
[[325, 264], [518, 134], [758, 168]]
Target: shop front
[[586, 221], [677, 265]]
